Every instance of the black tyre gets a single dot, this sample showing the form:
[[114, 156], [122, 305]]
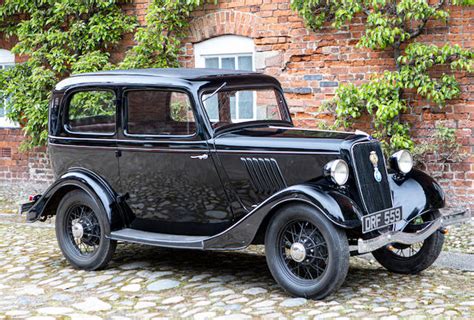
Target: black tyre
[[307, 255], [81, 226], [412, 259]]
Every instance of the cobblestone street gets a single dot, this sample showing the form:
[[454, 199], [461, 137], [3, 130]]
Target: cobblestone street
[[145, 282]]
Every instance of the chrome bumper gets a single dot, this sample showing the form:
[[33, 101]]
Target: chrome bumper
[[449, 217]]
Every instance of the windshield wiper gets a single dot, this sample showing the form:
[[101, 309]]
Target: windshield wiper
[[214, 93]]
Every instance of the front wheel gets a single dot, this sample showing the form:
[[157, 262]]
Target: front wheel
[[414, 258], [306, 254], [81, 226]]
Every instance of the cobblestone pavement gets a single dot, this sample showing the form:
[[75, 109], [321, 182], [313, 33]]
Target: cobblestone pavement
[[145, 282]]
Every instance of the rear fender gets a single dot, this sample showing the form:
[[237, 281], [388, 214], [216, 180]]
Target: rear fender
[[78, 178], [337, 207], [417, 193]]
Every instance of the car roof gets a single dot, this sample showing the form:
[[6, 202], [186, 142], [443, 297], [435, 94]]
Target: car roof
[[160, 76], [180, 73]]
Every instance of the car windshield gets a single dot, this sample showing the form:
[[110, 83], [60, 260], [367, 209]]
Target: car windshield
[[226, 107]]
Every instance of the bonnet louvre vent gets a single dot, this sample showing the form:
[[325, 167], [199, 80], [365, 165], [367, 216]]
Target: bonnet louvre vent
[[265, 174]]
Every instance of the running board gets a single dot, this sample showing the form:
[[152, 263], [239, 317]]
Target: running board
[[159, 239]]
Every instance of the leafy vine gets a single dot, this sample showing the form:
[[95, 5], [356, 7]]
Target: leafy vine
[[63, 37], [392, 24]]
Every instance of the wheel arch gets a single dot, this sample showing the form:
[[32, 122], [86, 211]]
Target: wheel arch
[[417, 193], [51, 206], [96, 187], [336, 207], [260, 234]]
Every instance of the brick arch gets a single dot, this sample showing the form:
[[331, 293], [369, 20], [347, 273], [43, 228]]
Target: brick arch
[[223, 23]]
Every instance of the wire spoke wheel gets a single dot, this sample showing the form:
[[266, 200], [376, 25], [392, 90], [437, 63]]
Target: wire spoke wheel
[[83, 229], [416, 257], [307, 255], [407, 251], [303, 250]]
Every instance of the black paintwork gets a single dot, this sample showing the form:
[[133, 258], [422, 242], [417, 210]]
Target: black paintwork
[[152, 183]]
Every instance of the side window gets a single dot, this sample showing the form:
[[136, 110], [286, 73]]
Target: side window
[[92, 112], [159, 112]]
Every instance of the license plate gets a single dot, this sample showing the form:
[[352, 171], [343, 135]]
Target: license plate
[[381, 219]]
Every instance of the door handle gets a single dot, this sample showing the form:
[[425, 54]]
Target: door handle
[[200, 157]]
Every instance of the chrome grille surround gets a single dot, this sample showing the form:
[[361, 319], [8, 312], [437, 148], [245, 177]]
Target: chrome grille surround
[[375, 196]]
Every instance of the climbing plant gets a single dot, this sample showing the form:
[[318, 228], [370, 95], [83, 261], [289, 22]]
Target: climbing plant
[[61, 37], [392, 25], [159, 42], [57, 38]]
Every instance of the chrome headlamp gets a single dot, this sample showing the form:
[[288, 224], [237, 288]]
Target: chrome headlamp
[[401, 161], [337, 171]]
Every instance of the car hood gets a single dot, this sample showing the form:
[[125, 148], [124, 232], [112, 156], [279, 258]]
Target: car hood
[[290, 139]]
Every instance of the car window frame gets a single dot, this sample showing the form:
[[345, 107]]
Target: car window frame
[[206, 90], [151, 136], [67, 101]]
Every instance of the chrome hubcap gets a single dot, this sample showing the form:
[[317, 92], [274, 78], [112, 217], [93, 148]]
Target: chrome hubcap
[[77, 230], [297, 252], [303, 250]]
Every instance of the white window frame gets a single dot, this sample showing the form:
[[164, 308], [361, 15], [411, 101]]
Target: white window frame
[[228, 46], [6, 59]]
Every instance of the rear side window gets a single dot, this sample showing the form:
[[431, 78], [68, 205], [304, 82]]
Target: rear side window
[[92, 112], [159, 112]]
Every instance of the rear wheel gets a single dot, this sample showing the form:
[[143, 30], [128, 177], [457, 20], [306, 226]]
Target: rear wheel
[[81, 226], [306, 254], [414, 258]]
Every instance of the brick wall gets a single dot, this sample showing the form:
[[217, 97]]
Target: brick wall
[[310, 66], [19, 166]]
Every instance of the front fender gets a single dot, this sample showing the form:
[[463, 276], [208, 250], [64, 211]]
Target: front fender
[[92, 184], [417, 193], [337, 207]]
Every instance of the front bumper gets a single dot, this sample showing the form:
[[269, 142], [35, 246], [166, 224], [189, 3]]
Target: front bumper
[[448, 217]]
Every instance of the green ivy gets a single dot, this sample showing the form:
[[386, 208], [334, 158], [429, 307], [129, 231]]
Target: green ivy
[[63, 37], [395, 25], [159, 43], [59, 38]]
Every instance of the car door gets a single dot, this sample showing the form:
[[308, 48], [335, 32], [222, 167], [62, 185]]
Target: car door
[[166, 167], [87, 135]]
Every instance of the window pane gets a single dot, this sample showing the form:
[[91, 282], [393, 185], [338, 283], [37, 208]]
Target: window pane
[[233, 111], [211, 108], [228, 63], [245, 63], [253, 104], [181, 114], [246, 105], [159, 112], [92, 111], [212, 63]]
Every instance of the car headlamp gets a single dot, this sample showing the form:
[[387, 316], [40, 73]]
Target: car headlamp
[[401, 161], [337, 171]]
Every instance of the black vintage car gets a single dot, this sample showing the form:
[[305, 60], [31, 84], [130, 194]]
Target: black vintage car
[[210, 160]]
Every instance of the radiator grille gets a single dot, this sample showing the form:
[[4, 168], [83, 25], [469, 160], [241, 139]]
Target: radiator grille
[[375, 195], [265, 174]]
